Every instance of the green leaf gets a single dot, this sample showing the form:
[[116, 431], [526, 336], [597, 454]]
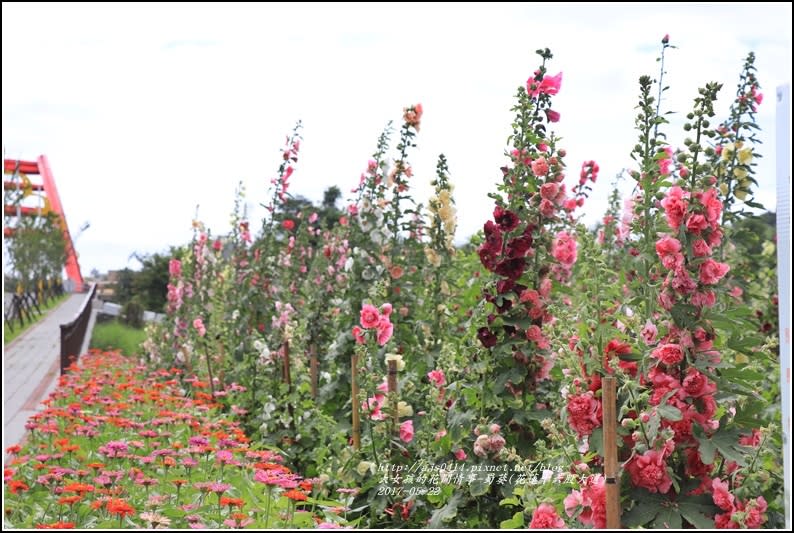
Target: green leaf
[[669, 412], [513, 523], [640, 514], [478, 487], [445, 514], [706, 448], [668, 518], [696, 514]]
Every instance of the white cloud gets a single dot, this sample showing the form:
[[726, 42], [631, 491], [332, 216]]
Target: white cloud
[[146, 112]]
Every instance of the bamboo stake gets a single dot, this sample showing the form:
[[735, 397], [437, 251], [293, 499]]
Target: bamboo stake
[[611, 453], [354, 393], [314, 369], [393, 393]]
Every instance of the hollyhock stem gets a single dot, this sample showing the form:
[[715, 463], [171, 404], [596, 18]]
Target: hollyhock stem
[[354, 395]]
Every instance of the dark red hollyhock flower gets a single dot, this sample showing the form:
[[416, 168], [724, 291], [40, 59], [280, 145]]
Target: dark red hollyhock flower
[[487, 257], [511, 268], [507, 220], [504, 285], [518, 246], [486, 337], [493, 237]]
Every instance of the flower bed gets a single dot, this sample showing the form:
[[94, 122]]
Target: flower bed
[[118, 446]]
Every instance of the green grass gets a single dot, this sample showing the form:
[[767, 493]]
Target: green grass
[[115, 335], [10, 334]]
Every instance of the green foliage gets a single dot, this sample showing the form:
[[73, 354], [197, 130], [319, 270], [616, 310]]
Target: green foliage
[[116, 335]]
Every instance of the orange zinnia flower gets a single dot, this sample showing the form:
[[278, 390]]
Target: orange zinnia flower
[[120, 507], [69, 500], [296, 495], [79, 488], [16, 485], [232, 502]]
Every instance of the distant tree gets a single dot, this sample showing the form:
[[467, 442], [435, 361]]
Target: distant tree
[[150, 283]]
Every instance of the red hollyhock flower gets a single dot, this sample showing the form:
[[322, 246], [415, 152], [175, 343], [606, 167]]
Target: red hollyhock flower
[[649, 471]]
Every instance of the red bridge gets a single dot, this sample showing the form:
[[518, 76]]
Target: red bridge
[[18, 174]]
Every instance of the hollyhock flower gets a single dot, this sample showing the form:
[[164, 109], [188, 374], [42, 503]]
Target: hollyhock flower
[[649, 333], [407, 431], [198, 324], [701, 248], [695, 384], [649, 471], [592, 499], [668, 249], [506, 219], [437, 377], [369, 316], [682, 282], [753, 439], [487, 337], [755, 509], [721, 494], [584, 413], [358, 334], [564, 248], [540, 167], [713, 206], [511, 268], [669, 354], [519, 246], [696, 223], [675, 206], [546, 517], [385, 330], [548, 85], [288, 224], [549, 191], [386, 309], [460, 454], [711, 271], [175, 268], [413, 115], [552, 116], [547, 208]]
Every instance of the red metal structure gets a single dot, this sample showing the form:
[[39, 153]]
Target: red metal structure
[[20, 172]]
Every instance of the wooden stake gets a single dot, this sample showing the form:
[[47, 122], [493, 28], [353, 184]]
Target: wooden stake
[[611, 452], [314, 367], [393, 394], [354, 394]]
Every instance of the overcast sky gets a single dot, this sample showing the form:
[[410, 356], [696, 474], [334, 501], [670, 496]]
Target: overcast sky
[[146, 112]]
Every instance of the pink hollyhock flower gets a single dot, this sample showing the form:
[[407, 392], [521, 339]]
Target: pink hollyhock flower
[[649, 471], [373, 405], [437, 377], [701, 248], [175, 267], [755, 509], [313, 218], [675, 205], [592, 500], [540, 167], [696, 223], [584, 413], [669, 354], [552, 116], [546, 517], [753, 439], [683, 282], [370, 317], [721, 495], [704, 299], [668, 249], [564, 248], [549, 85], [695, 384], [386, 309], [547, 208], [407, 431], [198, 324], [713, 207], [723, 521], [288, 225], [385, 330], [460, 454], [714, 238], [711, 271], [549, 190], [358, 334], [649, 333]]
